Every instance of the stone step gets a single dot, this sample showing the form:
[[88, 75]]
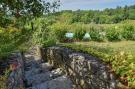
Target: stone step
[[43, 67], [61, 82], [42, 77], [46, 66], [32, 72], [30, 66]]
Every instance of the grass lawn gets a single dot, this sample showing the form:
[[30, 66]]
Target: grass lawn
[[126, 46]]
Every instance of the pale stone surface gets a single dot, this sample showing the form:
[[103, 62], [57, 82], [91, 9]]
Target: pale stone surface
[[41, 86], [59, 83], [43, 77], [45, 66]]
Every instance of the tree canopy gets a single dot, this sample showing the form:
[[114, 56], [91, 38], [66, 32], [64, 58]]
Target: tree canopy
[[107, 16], [24, 8]]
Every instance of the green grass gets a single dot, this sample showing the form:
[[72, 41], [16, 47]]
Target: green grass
[[127, 46]]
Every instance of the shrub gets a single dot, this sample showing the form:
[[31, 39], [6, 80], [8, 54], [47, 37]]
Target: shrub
[[97, 34], [124, 68], [60, 34], [114, 34], [50, 41], [60, 31], [10, 38], [43, 35], [129, 32]]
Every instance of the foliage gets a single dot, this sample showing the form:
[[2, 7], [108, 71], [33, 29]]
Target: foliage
[[60, 30], [5, 21], [17, 23], [129, 32], [107, 16], [79, 32], [33, 8], [102, 32], [97, 34], [3, 80], [7, 44], [124, 67], [43, 35], [114, 34], [13, 39]]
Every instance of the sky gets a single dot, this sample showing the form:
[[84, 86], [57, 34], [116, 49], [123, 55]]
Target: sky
[[93, 4]]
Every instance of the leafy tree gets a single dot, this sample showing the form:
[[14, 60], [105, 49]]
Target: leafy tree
[[26, 9], [15, 37], [22, 7]]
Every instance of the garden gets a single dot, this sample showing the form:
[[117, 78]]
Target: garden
[[112, 39]]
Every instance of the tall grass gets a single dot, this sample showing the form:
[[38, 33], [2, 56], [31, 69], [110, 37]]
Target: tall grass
[[98, 32]]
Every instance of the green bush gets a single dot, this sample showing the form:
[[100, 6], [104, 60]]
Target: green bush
[[60, 34], [50, 41], [129, 32], [60, 29], [124, 68], [43, 35], [9, 40], [114, 34], [97, 34]]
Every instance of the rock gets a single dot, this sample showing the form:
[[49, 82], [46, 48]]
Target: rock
[[60, 83], [85, 71], [41, 86], [43, 77], [39, 75], [45, 66], [32, 72]]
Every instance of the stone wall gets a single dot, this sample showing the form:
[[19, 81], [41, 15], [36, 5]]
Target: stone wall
[[85, 71], [15, 80]]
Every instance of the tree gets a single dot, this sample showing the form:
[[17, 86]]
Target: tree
[[126, 14], [22, 11], [26, 8], [22, 7]]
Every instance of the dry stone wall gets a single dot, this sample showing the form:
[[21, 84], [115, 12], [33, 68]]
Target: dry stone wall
[[85, 71], [15, 80]]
